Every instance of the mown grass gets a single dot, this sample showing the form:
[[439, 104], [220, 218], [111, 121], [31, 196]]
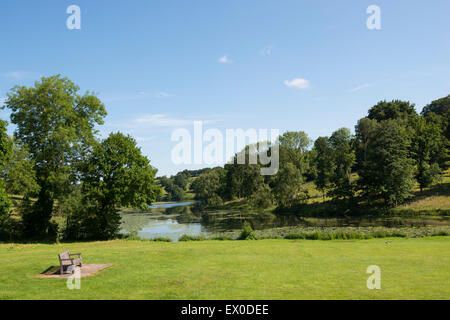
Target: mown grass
[[266, 269]]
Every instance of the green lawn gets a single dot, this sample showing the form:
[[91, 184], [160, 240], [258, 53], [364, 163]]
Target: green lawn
[[265, 269]]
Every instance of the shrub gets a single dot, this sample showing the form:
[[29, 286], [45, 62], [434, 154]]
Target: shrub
[[247, 232], [191, 238], [441, 234], [222, 238], [161, 239]]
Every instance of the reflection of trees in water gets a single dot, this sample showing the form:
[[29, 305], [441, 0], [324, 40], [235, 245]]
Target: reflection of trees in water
[[227, 220], [185, 215], [234, 220], [132, 223]]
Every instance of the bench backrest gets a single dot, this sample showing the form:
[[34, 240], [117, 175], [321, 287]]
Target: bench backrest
[[64, 255]]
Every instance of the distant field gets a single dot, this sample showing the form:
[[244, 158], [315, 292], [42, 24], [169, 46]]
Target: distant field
[[266, 269]]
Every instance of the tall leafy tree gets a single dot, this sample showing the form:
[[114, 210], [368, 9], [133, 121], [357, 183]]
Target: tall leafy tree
[[209, 187], [115, 175], [19, 172], [438, 112], [294, 149], [388, 172], [324, 164], [364, 133], [5, 153], [56, 124], [287, 186], [393, 110], [427, 142]]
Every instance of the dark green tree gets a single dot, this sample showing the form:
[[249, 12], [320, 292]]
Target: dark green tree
[[427, 144], [388, 172], [325, 166], [19, 173], [181, 180], [342, 145], [438, 112], [287, 186], [115, 175], [5, 153], [209, 187], [294, 149], [393, 110], [56, 124]]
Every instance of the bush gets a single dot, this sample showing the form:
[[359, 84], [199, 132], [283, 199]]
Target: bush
[[161, 239], [441, 234], [247, 232], [222, 238], [191, 238]]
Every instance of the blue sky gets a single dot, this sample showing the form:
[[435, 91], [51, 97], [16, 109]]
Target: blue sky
[[159, 65]]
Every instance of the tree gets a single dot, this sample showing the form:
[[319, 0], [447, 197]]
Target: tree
[[393, 110], [341, 142], [242, 180], [439, 107], [115, 175], [56, 124], [438, 112], [364, 133], [181, 180], [293, 148], [324, 164], [209, 187], [388, 171], [19, 173], [287, 185], [5, 153], [426, 144]]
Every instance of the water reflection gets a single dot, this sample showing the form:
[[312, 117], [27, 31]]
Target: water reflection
[[172, 220]]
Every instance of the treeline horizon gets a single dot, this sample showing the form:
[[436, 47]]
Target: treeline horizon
[[393, 149]]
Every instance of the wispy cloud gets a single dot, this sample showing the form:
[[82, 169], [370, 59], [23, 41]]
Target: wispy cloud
[[225, 60], [2, 101], [144, 139], [162, 120], [136, 96], [360, 87], [267, 51], [18, 75], [162, 95], [297, 83]]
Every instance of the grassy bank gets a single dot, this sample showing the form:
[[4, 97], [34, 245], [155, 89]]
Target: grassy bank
[[266, 269]]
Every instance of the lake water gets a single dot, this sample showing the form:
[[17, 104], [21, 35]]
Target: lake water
[[172, 220]]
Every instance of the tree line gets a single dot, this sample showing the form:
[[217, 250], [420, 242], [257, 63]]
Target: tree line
[[65, 182], [393, 149]]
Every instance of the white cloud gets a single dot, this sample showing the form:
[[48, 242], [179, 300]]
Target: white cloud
[[162, 95], [267, 51], [225, 60], [143, 139], [362, 86], [135, 96], [18, 75], [2, 101], [297, 83], [162, 120]]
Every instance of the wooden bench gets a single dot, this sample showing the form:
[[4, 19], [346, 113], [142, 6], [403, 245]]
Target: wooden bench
[[66, 260]]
